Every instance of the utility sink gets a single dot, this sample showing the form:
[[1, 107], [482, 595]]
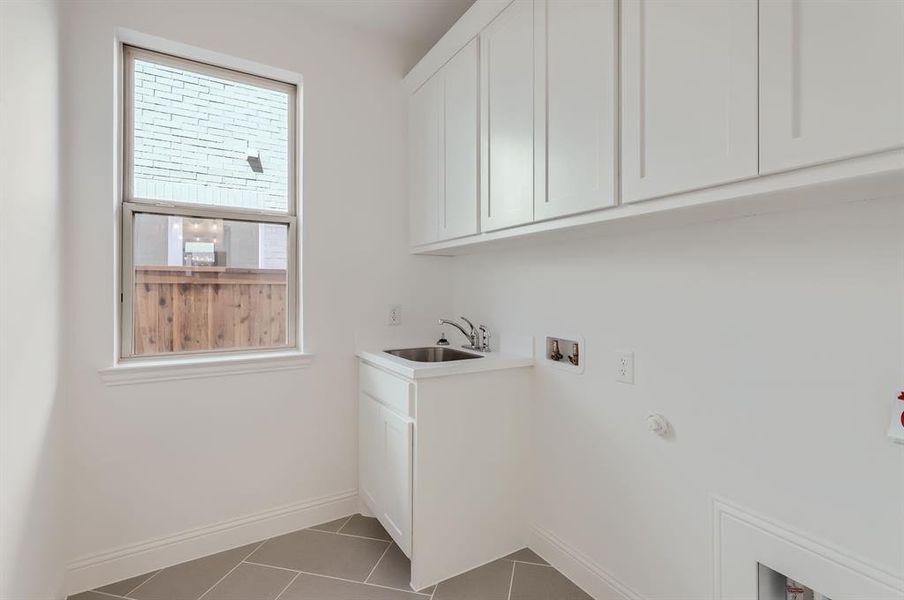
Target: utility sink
[[432, 354]]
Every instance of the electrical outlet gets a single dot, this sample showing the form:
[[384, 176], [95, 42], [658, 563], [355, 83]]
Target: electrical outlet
[[624, 367], [395, 314]]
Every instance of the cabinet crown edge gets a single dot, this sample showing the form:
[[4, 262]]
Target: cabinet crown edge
[[468, 26]]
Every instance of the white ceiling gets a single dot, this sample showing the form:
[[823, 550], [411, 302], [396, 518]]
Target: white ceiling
[[416, 23]]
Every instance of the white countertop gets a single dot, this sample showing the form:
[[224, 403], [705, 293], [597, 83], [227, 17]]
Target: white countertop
[[491, 361]]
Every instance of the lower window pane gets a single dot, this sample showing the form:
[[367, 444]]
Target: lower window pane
[[208, 284]]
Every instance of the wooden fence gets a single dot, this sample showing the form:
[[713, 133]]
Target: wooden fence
[[178, 309]]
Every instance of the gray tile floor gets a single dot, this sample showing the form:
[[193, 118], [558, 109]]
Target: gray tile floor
[[352, 558]]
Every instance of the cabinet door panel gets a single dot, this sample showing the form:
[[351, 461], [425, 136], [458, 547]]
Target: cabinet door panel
[[689, 95], [396, 472], [425, 161], [581, 71], [370, 450], [461, 133], [507, 124], [831, 80]]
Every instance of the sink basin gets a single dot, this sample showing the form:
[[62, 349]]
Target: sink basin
[[432, 354]]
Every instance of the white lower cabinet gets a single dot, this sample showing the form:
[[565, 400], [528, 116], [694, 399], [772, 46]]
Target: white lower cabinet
[[369, 425], [395, 448], [441, 465], [385, 446]]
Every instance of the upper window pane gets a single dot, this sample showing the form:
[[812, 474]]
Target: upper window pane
[[207, 140]]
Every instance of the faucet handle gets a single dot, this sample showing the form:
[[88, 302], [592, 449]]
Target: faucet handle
[[484, 337], [470, 324]]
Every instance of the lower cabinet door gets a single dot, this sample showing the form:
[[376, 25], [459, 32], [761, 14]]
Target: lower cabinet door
[[395, 500], [370, 450]]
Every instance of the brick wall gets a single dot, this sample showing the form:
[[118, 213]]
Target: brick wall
[[194, 133]]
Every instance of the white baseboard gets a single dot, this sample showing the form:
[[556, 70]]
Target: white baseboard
[[579, 568], [109, 566]]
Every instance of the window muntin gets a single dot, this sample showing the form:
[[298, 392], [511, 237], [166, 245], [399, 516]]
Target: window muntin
[[209, 228]]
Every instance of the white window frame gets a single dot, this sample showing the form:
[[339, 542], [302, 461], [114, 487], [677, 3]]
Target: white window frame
[[132, 205]]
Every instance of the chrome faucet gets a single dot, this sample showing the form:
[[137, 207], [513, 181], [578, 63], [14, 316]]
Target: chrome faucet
[[478, 337]]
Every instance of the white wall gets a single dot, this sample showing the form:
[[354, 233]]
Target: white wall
[[157, 459], [31, 443], [773, 344]]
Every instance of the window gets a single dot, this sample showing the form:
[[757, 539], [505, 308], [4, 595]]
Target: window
[[209, 244]]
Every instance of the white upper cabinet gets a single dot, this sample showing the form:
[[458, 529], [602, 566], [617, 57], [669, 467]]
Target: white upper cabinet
[[831, 80], [507, 118], [689, 112], [460, 206], [425, 164], [581, 73], [530, 111]]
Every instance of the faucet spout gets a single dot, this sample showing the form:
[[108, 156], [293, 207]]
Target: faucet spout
[[458, 327], [478, 337]]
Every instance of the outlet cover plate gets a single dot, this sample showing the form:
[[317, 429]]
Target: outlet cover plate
[[624, 367]]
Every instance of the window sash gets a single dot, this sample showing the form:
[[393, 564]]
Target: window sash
[[127, 277], [130, 53], [131, 205]]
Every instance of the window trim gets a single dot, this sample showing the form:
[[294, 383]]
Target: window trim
[[131, 205]]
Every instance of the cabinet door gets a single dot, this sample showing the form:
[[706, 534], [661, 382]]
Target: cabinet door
[[459, 208], [581, 71], [689, 117], [831, 80], [396, 465], [370, 450], [425, 161], [507, 118]]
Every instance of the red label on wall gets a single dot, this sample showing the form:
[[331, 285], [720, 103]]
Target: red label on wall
[[896, 429]]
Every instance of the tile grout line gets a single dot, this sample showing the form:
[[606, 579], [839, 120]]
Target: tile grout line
[[341, 527], [108, 594], [512, 580], [287, 586], [232, 569], [314, 527], [257, 564], [126, 595], [533, 564], [376, 585], [134, 589], [353, 535], [347, 521], [379, 560]]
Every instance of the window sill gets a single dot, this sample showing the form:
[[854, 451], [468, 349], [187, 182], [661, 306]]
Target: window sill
[[171, 369]]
